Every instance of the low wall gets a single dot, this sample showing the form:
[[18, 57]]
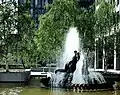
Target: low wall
[[111, 76], [14, 77]]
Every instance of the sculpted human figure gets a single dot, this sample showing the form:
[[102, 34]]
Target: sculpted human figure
[[69, 69], [71, 66]]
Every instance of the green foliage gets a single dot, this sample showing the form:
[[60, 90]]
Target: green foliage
[[53, 27], [16, 18], [106, 22], [85, 24], [8, 17], [106, 29], [104, 18]]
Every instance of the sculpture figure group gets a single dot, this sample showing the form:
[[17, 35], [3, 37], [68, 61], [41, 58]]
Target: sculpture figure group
[[69, 70]]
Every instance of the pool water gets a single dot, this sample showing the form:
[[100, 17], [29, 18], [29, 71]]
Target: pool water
[[42, 91]]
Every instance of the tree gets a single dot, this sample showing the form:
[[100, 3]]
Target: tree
[[7, 25], [105, 29], [85, 23], [26, 48], [53, 27], [16, 31]]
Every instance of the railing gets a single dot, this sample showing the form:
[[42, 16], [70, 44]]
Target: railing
[[36, 69], [43, 69]]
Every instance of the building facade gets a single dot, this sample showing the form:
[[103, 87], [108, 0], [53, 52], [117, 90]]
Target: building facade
[[38, 8]]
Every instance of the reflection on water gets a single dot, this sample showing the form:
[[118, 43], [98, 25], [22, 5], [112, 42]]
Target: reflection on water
[[38, 91], [10, 91], [42, 91]]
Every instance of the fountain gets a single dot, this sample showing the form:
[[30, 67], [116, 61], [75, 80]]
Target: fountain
[[64, 78]]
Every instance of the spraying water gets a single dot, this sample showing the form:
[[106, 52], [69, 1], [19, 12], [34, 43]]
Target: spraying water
[[71, 44], [81, 74], [77, 75]]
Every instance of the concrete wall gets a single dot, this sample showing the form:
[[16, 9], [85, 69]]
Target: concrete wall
[[15, 76]]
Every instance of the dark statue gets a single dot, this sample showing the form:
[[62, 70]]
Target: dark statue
[[71, 66]]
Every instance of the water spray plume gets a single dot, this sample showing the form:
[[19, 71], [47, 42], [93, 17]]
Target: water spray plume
[[81, 75]]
